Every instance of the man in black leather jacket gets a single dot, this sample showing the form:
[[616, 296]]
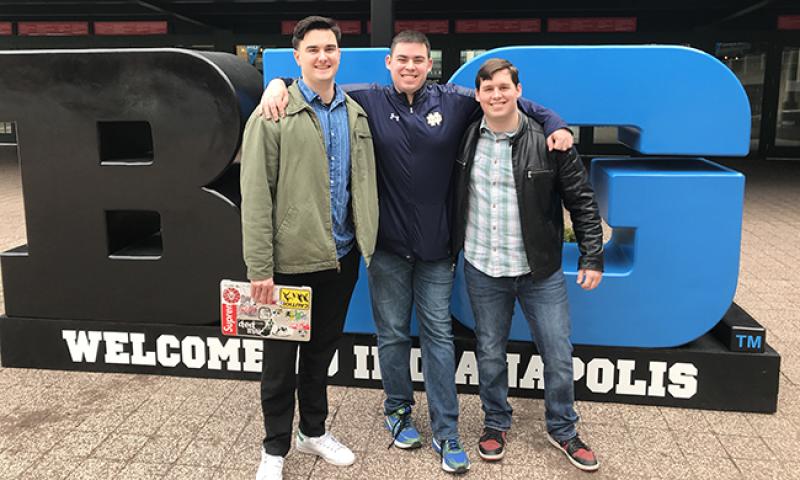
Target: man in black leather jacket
[[509, 198]]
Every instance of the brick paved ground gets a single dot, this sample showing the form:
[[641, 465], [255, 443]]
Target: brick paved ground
[[85, 425]]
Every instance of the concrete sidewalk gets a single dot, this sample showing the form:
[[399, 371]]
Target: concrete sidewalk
[[57, 425]]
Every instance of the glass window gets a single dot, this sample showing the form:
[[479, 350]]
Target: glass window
[[7, 134], [436, 71], [787, 131], [252, 54], [606, 135], [467, 55], [576, 133], [748, 62]]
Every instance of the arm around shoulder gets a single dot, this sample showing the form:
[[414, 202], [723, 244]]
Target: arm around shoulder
[[549, 119]]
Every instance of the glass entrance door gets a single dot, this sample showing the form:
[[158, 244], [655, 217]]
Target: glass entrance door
[[748, 62], [787, 121]]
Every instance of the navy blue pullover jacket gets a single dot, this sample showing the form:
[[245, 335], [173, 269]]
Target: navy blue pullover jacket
[[415, 149]]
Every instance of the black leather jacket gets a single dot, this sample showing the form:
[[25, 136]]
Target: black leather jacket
[[543, 181]]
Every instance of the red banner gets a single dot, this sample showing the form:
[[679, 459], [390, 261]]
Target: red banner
[[487, 25], [788, 22], [52, 28], [424, 26], [348, 27], [287, 26], [5, 28], [130, 28], [591, 24]]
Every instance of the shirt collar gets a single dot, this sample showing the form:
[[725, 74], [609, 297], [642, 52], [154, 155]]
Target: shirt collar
[[484, 128], [419, 96], [311, 96]]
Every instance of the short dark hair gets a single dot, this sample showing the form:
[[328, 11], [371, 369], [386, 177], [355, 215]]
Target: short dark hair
[[314, 22], [411, 36], [494, 65]]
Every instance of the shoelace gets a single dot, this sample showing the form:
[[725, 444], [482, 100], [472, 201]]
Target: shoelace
[[404, 421], [492, 434], [330, 443], [574, 444], [451, 445]]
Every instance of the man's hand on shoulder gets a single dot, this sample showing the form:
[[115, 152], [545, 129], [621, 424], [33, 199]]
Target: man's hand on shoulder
[[274, 100], [261, 290], [560, 140], [589, 279]]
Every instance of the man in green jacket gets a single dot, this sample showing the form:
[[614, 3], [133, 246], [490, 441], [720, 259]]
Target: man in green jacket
[[309, 207]]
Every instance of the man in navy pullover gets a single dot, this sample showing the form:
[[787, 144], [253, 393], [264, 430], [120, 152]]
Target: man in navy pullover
[[416, 131]]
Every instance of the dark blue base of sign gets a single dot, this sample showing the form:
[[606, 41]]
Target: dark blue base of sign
[[704, 374]]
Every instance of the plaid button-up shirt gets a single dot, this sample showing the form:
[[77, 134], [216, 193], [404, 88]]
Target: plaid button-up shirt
[[493, 240]]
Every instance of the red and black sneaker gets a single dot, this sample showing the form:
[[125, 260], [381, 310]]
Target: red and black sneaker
[[577, 452], [492, 445]]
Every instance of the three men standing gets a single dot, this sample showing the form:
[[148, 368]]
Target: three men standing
[[417, 128], [291, 229]]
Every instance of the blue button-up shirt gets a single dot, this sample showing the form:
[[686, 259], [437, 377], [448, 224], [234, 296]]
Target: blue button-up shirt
[[336, 136]]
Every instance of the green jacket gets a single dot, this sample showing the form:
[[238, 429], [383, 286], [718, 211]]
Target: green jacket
[[286, 208]]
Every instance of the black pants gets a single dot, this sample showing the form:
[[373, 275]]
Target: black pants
[[331, 292]]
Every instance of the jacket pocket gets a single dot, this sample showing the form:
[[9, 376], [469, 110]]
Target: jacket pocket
[[533, 173], [362, 136], [361, 153], [286, 223], [540, 195]]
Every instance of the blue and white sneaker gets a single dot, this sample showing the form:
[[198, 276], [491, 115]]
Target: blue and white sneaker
[[454, 458], [401, 426]]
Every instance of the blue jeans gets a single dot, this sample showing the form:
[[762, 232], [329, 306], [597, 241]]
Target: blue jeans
[[396, 283], [544, 304]]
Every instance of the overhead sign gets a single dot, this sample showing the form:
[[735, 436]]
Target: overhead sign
[[52, 28], [789, 22], [424, 26], [591, 24], [348, 27], [487, 25], [130, 28]]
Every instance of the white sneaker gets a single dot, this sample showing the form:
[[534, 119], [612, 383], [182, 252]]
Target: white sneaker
[[271, 467], [326, 447]]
